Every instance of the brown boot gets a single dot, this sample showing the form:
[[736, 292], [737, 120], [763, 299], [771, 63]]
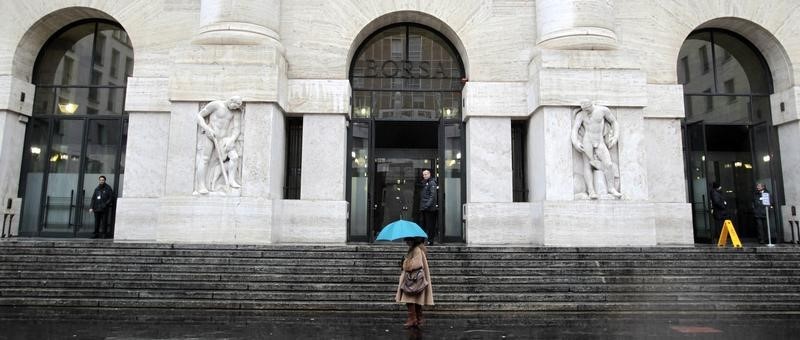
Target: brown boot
[[412, 316], [420, 321]]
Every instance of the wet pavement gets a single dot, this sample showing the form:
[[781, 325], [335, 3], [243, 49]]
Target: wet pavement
[[133, 324]]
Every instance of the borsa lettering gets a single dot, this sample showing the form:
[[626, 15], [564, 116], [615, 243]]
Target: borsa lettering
[[404, 69]]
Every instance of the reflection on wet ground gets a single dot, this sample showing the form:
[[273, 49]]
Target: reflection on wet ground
[[164, 324]]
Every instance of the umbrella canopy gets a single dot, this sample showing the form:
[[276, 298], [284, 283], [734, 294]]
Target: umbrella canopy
[[400, 229]]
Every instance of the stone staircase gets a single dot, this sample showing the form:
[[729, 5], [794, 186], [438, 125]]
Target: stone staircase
[[84, 274]]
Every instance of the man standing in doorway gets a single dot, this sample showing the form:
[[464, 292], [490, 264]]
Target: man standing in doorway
[[719, 208], [427, 205], [102, 201], [760, 213]]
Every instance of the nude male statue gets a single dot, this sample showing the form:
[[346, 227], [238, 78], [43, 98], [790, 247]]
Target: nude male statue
[[595, 143], [218, 140]]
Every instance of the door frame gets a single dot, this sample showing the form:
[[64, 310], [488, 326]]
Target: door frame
[[76, 222], [751, 141], [371, 200]]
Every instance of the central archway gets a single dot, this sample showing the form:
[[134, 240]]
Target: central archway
[[406, 117]]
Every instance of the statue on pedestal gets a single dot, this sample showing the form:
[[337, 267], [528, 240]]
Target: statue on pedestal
[[220, 124], [594, 132]]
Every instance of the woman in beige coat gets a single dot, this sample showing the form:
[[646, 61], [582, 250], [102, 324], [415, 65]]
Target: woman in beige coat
[[416, 257]]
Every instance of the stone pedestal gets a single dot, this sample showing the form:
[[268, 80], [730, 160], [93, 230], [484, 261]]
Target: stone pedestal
[[239, 220]]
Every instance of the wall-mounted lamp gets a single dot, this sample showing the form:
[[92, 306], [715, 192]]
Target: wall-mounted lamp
[[68, 108], [35, 150], [766, 158]]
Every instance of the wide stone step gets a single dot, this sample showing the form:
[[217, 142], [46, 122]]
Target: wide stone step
[[388, 295], [243, 263], [476, 281], [605, 306], [31, 285], [109, 275], [237, 255], [353, 269]]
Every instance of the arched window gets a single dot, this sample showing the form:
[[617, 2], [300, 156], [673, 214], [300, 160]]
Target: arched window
[[78, 128], [406, 117], [728, 129], [725, 79]]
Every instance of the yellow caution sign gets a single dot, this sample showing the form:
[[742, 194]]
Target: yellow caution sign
[[727, 228]]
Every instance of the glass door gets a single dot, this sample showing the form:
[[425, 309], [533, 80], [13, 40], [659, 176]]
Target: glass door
[[764, 161], [397, 184], [63, 194], [79, 150], [451, 183], [359, 191], [698, 182], [102, 150]]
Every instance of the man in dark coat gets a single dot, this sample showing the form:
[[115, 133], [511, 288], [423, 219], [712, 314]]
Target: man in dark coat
[[427, 205], [102, 201], [760, 212], [719, 208]]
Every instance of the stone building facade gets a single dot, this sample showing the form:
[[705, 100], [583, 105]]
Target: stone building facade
[[344, 102]]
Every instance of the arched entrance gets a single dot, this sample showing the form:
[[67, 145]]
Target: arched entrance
[[729, 138], [78, 128], [406, 117]]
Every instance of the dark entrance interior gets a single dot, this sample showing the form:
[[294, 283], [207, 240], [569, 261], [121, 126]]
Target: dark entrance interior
[[728, 155], [402, 151]]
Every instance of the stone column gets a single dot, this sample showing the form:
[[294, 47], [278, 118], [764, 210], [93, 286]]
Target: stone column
[[236, 52], [238, 22], [324, 144], [14, 114], [489, 177], [575, 24], [789, 139]]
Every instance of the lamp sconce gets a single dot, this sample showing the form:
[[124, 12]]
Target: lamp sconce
[[68, 108]]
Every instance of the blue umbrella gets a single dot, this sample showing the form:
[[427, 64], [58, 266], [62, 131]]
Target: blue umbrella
[[400, 229]]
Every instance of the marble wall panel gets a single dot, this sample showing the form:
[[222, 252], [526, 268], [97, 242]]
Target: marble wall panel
[[610, 87], [137, 218], [598, 223], [203, 72], [632, 154], [209, 219], [664, 101], [277, 173], [499, 224], [319, 96], [495, 99], [310, 221], [789, 143], [182, 148], [673, 222], [666, 178], [147, 95], [146, 154], [12, 137], [323, 159], [789, 99], [11, 92], [550, 160], [489, 153], [263, 151]]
